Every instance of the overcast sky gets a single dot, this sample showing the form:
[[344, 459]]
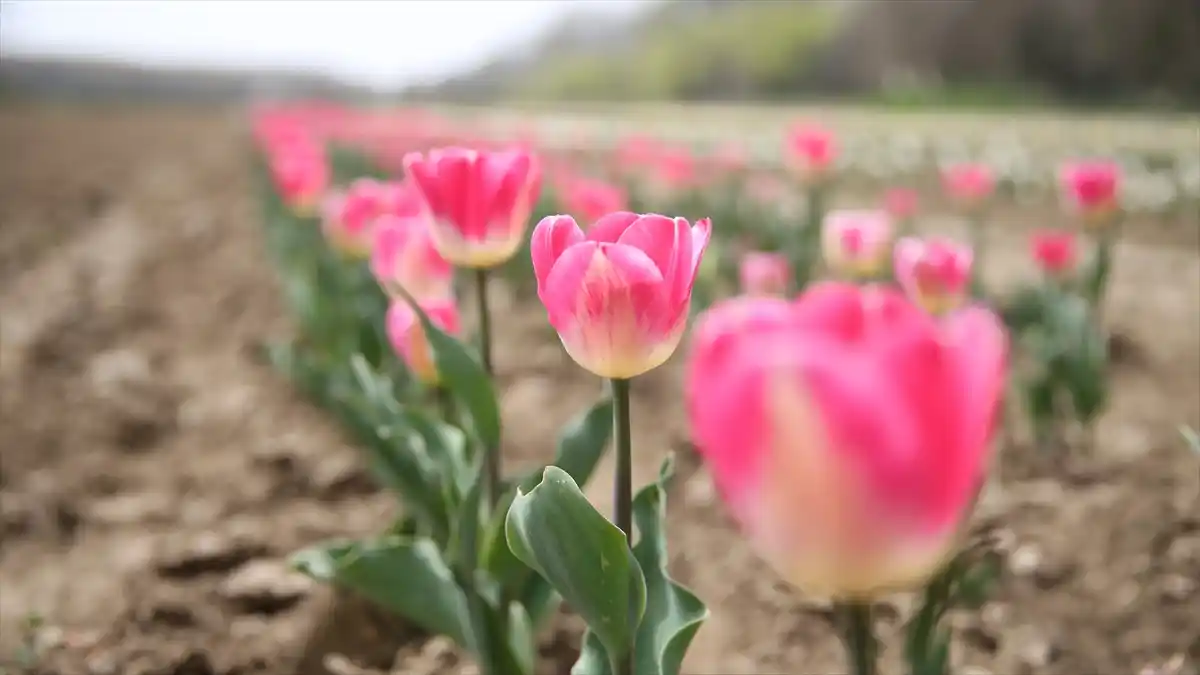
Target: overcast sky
[[372, 42]]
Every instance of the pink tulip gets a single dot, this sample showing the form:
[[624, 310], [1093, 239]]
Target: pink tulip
[[767, 274], [479, 201], [1091, 189], [969, 185], [676, 169], [408, 338], [349, 216], [1054, 251], [403, 257], [901, 204], [811, 151], [848, 432], [589, 199], [619, 295], [934, 272], [856, 243], [302, 178]]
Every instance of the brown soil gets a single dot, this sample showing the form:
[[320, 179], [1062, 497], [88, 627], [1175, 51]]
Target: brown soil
[[156, 475]]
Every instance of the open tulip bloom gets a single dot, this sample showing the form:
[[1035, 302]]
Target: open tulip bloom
[[848, 431], [618, 296]]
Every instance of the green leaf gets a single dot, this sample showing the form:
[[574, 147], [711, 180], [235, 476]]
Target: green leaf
[[465, 377], [407, 576], [673, 613], [557, 532]]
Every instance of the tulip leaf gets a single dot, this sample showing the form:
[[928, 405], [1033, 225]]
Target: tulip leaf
[[404, 575], [465, 377], [673, 613], [557, 532]]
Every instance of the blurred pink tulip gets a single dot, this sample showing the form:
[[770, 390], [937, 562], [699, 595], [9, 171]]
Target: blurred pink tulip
[[589, 199], [856, 243], [848, 432], [408, 338], [349, 217], [403, 257], [1055, 252], [969, 185], [766, 274], [901, 204], [619, 295], [811, 151], [302, 178], [479, 201], [1091, 190], [676, 169], [934, 272]]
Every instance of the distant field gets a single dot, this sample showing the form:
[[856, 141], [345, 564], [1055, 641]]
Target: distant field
[[1165, 132]]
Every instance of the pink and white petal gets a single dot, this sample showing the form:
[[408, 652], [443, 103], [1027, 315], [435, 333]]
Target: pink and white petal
[[552, 236], [610, 228]]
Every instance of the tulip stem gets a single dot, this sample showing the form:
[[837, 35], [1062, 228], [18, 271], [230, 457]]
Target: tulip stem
[[859, 637], [623, 481], [491, 455]]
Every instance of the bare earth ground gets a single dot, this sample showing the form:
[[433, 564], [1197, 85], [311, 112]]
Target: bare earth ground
[[155, 475]]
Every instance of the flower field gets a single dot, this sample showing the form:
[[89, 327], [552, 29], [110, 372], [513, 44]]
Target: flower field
[[244, 388]]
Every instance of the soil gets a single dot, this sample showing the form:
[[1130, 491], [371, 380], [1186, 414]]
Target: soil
[[156, 474]]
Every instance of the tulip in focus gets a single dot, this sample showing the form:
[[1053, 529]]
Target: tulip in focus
[[403, 258], [408, 338], [848, 432], [1091, 190], [765, 274], [1055, 252], [811, 151], [479, 201], [969, 185], [619, 295], [588, 199], [856, 243], [935, 272]]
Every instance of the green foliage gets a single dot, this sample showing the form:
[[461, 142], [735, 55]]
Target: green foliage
[[755, 49]]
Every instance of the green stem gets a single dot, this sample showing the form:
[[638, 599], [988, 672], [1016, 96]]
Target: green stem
[[858, 637], [623, 481], [978, 242], [491, 455]]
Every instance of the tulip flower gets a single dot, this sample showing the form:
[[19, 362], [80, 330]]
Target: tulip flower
[[479, 201], [1055, 252], [934, 272], [969, 185], [349, 217], [301, 177], [811, 151], [848, 432], [588, 199], [1091, 190], [855, 243], [404, 259], [901, 205], [764, 273], [618, 296], [408, 338]]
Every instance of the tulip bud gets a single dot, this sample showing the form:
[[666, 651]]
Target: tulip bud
[[855, 243], [479, 201], [969, 186], [619, 295], [403, 258], [408, 338], [767, 274], [1090, 190], [1055, 252], [811, 152], [934, 272], [847, 432]]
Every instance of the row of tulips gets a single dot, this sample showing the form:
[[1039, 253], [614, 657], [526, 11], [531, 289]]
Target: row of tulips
[[848, 430]]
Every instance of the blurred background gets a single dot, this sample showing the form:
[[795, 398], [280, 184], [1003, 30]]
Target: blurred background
[[911, 52]]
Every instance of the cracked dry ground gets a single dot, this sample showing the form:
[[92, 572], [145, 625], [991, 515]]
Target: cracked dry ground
[[155, 475]]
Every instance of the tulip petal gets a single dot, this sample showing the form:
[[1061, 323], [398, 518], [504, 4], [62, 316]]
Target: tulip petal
[[551, 237], [832, 307], [611, 227], [977, 346]]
